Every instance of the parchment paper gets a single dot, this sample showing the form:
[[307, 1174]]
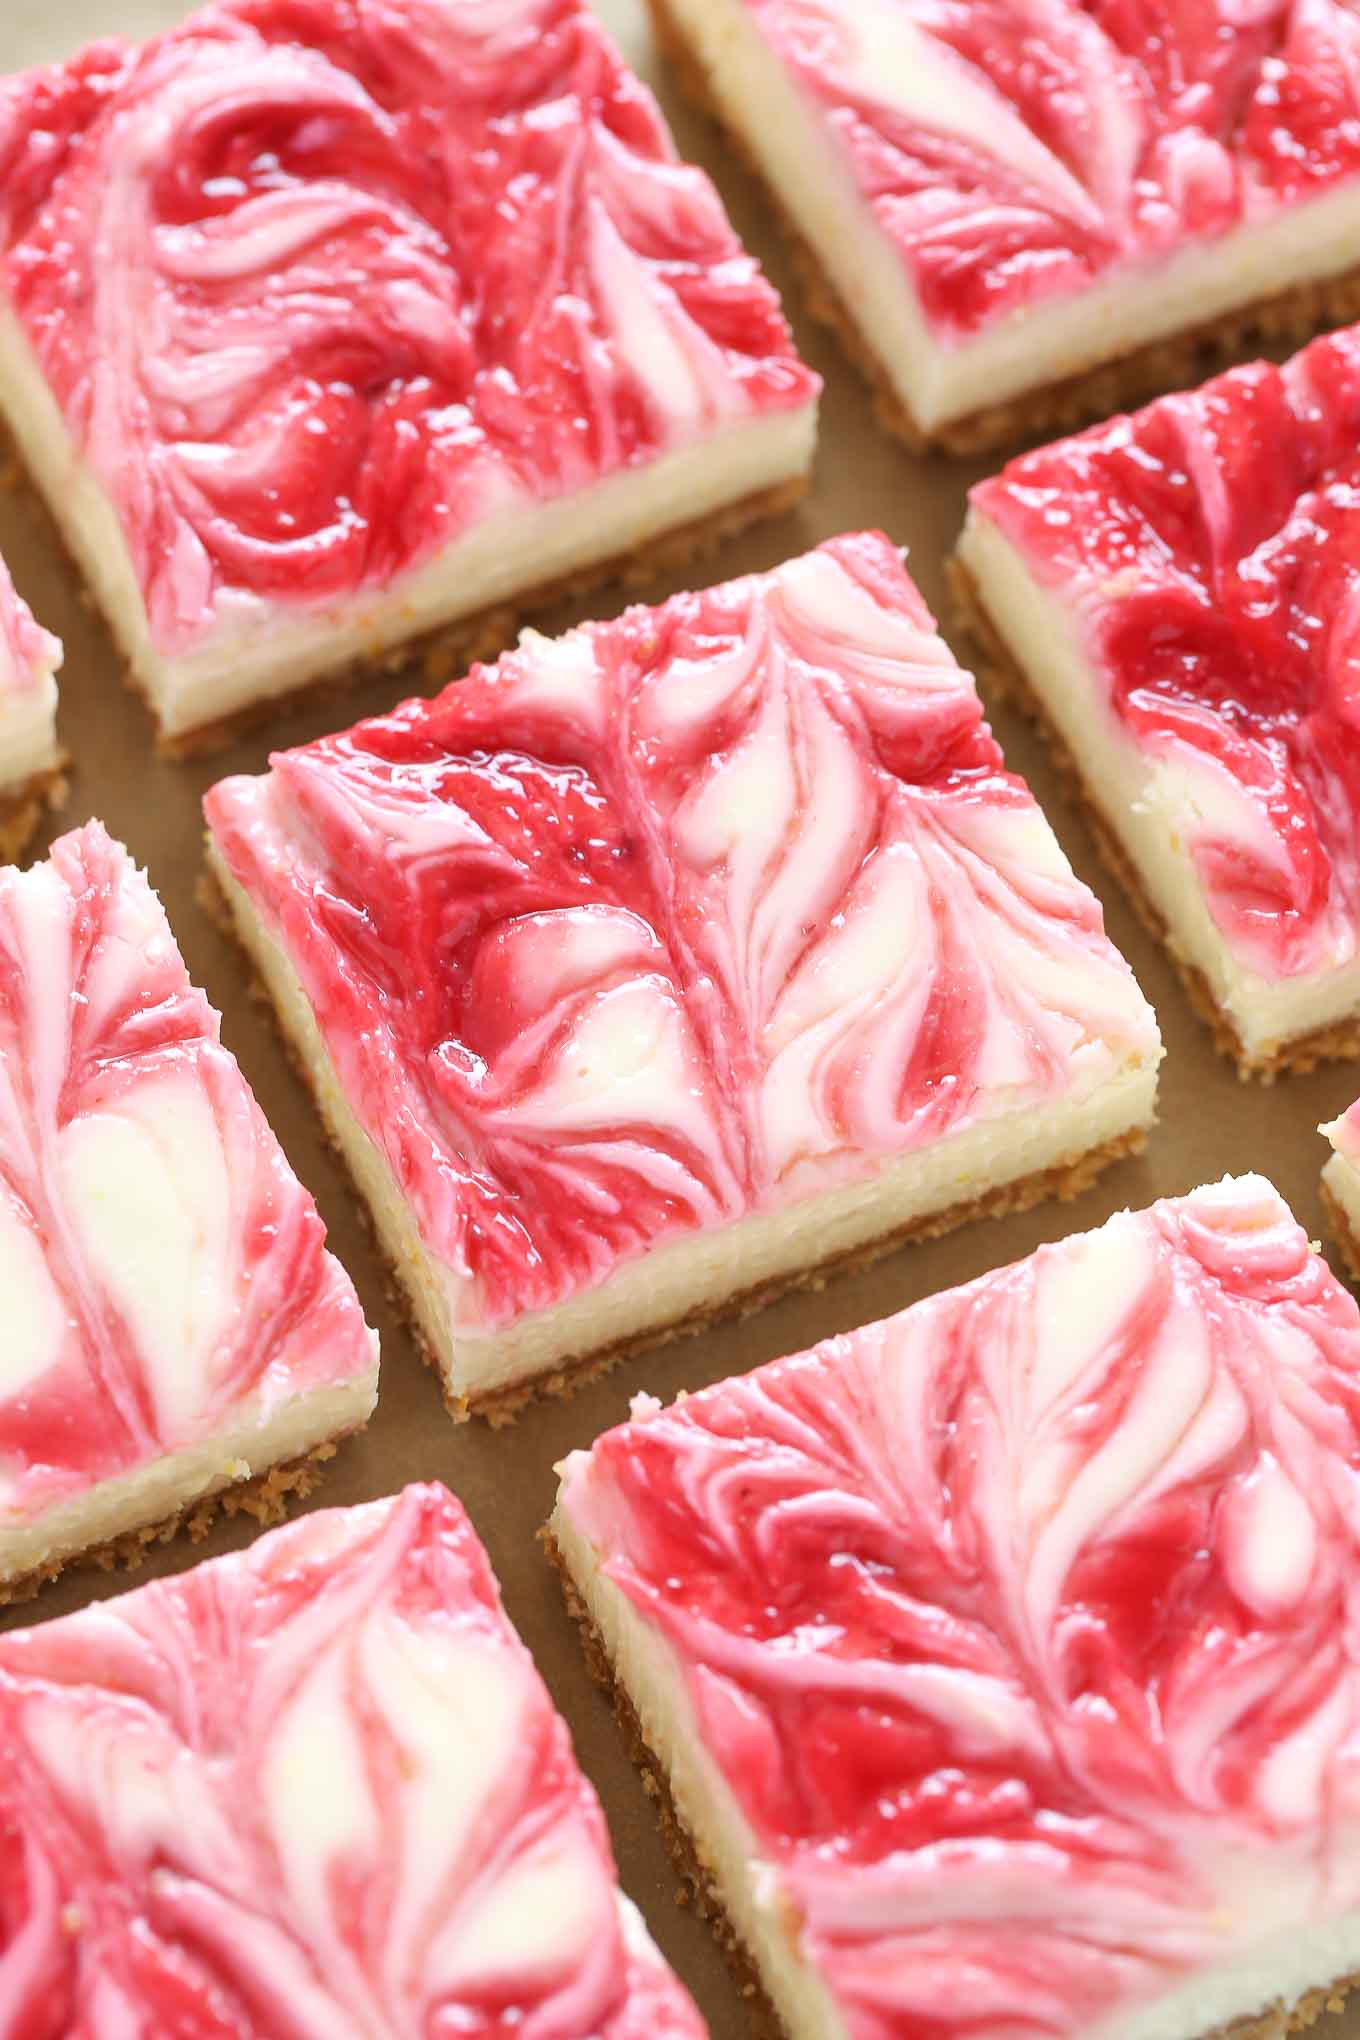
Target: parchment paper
[[1210, 1123]]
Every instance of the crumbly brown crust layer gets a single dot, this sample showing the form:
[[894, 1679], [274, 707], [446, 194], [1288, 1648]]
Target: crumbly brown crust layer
[[1343, 1232], [266, 1497], [700, 1884], [438, 656], [1337, 1042], [1063, 1180], [22, 807], [1099, 391]]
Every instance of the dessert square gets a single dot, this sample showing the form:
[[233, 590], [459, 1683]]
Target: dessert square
[[1172, 595], [30, 756], [325, 329], [684, 957], [1341, 1186], [315, 1788], [994, 1661], [1020, 218], [173, 1328]]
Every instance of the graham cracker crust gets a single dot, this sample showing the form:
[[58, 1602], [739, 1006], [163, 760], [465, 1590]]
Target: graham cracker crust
[[437, 656], [1099, 391], [699, 1885], [22, 808], [1062, 1180], [266, 1497], [1338, 1041], [1343, 1232]]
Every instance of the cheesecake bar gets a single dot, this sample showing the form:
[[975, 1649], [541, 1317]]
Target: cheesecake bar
[[1341, 1186], [678, 959], [1021, 217], [1173, 595], [327, 328], [30, 756], [316, 1789], [994, 1662], [171, 1326]]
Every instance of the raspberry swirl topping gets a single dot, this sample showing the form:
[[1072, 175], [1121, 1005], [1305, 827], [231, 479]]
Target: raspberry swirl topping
[[28, 653]]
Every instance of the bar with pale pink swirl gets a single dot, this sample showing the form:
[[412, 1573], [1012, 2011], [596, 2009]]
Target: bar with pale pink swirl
[[314, 1789]]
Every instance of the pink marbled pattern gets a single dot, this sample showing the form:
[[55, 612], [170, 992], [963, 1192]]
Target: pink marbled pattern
[[316, 1789]]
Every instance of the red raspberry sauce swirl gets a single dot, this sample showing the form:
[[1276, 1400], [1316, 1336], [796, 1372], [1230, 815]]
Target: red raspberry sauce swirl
[[1207, 551]]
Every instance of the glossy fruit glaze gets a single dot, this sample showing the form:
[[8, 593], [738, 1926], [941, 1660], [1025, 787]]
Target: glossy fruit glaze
[[315, 1791], [679, 917], [28, 653], [320, 284], [1021, 1625], [1020, 150], [163, 1271], [1206, 550]]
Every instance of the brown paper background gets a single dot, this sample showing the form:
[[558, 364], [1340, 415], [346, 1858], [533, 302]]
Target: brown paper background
[[1210, 1123]]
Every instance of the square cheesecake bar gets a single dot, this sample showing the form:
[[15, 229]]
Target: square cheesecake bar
[[314, 1789], [328, 327], [996, 1661], [678, 959], [171, 1326], [1022, 217], [31, 759], [1341, 1186], [1174, 596]]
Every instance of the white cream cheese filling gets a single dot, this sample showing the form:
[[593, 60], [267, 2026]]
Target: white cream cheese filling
[[939, 382], [28, 733], [1343, 1180], [701, 1271], [265, 649], [1155, 810], [255, 1442]]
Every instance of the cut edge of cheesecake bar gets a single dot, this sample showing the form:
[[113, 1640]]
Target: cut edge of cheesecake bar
[[1340, 1193], [1029, 654], [677, 1793], [1051, 1150], [23, 807], [1279, 283], [254, 1468], [716, 1852], [465, 601]]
